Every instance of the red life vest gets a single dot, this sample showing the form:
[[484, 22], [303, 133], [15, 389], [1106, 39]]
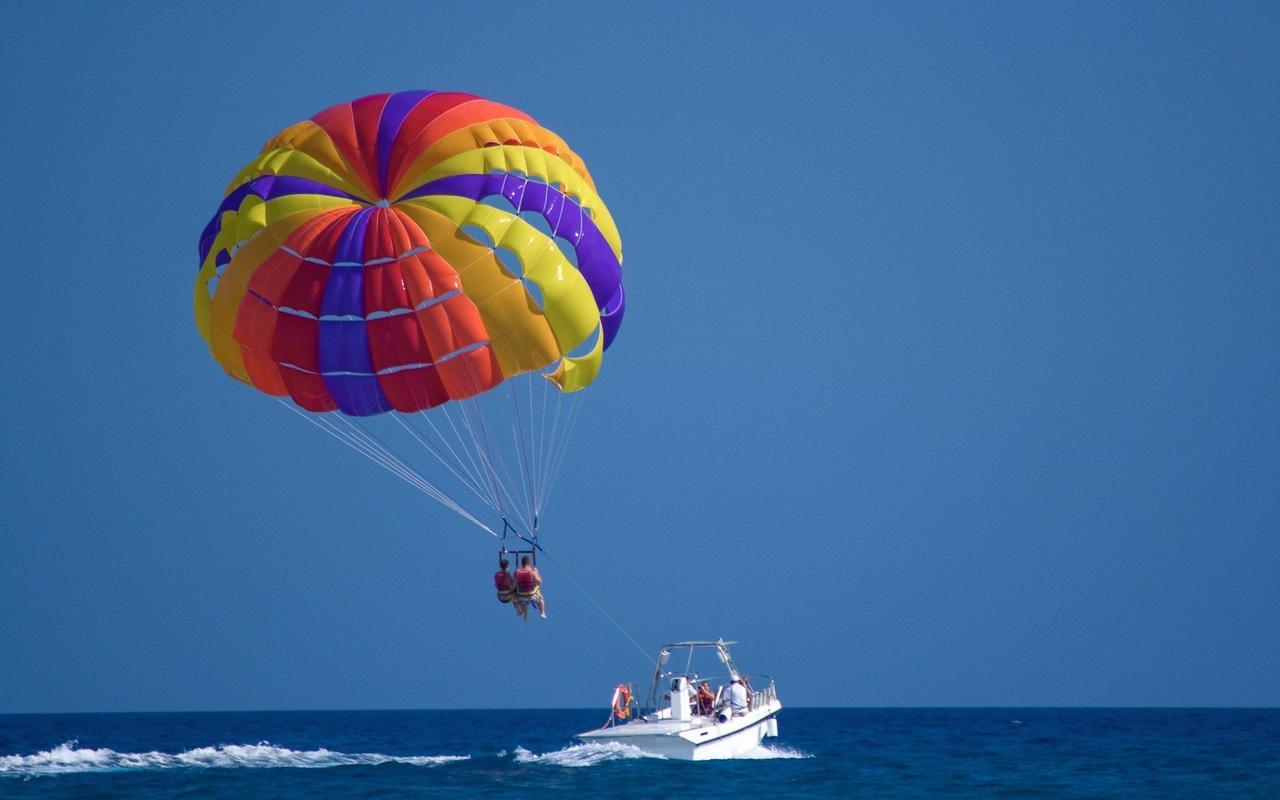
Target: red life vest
[[502, 582], [525, 583]]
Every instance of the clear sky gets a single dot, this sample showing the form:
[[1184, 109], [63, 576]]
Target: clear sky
[[949, 374]]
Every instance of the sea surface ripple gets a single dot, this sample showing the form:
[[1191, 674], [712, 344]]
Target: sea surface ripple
[[822, 753]]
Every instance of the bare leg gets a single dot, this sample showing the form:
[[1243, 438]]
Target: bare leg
[[541, 603]]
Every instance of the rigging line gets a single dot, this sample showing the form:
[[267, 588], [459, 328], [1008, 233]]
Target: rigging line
[[574, 415], [495, 456], [369, 440], [440, 457], [521, 453], [435, 451], [462, 445], [600, 608], [531, 467], [413, 394], [477, 445], [473, 476], [502, 462], [368, 452], [542, 432], [407, 477], [540, 459], [551, 441], [478, 441], [481, 447], [487, 455]]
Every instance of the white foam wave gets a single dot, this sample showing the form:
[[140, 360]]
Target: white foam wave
[[771, 751], [70, 758], [583, 755], [590, 754]]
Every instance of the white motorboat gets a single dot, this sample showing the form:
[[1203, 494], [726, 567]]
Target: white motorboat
[[681, 722]]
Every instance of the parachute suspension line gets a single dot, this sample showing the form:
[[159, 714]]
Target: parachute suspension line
[[435, 451], [354, 443], [444, 408], [492, 458], [439, 494], [491, 478], [538, 444], [643, 653], [522, 456], [472, 473], [440, 457], [545, 468], [574, 414], [389, 462], [531, 453], [552, 439], [485, 449]]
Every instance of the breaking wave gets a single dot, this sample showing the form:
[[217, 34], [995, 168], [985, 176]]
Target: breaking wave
[[583, 755], [772, 751], [68, 757], [588, 755]]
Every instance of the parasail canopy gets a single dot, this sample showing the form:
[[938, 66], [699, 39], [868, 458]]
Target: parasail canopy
[[413, 250]]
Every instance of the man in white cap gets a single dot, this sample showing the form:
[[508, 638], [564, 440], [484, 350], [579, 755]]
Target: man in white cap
[[738, 696]]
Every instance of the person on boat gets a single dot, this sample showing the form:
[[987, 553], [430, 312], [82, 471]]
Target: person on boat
[[706, 699], [738, 696], [529, 589], [505, 583]]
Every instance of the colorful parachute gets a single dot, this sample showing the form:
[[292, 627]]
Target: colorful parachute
[[405, 250]]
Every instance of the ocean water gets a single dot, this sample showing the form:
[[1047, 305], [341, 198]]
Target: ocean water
[[821, 753]]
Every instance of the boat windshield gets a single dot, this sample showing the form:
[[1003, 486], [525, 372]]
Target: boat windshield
[[695, 662]]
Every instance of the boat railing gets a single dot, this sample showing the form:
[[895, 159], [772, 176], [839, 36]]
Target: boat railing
[[761, 697]]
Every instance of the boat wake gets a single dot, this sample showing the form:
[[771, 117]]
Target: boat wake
[[583, 755], [70, 758], [590, 754], [765, 751]]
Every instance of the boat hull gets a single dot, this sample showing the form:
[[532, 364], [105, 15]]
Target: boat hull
[[702, 740]]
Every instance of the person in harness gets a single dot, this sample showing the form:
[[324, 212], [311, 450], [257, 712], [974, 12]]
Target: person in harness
[[505, 583], [529, 589]]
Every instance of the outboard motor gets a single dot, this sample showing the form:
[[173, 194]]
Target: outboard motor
[[681, 700]]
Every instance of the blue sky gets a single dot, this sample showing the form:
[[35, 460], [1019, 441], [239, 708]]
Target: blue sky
[[949, 375]]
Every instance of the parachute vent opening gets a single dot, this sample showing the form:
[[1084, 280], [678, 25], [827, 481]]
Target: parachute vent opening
[[510, 261], [535, 293], [431, 301], [461, 351], [411, 252], [588, 344], [538, 221], [212, 284], [567, 250], [478, 235], [500, 202]]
